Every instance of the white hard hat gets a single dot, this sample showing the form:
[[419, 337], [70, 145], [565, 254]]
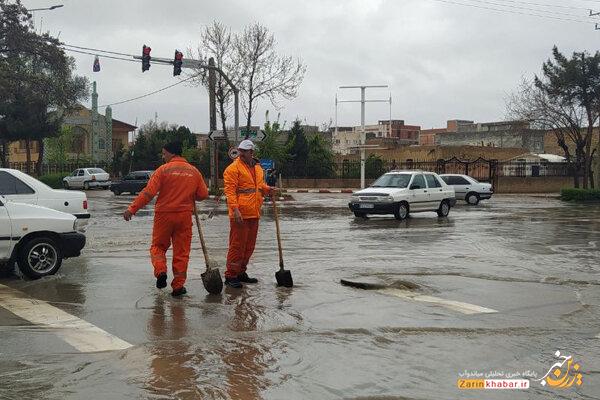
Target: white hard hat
[[246, 145]]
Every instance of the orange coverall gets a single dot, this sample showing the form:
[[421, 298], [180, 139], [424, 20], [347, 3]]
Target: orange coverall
[[244, 188], [178, 185]]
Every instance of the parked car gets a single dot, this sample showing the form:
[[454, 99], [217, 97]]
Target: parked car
[[467, 188], [402, 192], [131, 183], [17, 186], [37, 238], [87, 178]]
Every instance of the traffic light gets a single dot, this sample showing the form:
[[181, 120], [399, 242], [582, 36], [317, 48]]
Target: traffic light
[[146, 58], [177, 63]]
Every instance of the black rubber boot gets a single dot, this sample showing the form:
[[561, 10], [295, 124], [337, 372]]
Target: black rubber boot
[[178, 292], [233, 283], [161, 281], [243, 277]]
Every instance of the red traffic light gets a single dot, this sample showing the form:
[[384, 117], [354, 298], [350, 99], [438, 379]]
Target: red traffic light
[[146, 58]]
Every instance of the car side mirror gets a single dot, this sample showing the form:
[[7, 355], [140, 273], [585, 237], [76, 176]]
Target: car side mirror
[[412, 187]]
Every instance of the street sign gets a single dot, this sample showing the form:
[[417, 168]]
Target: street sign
[[215, 135], [233, 153], [250, 133], [267, 164]]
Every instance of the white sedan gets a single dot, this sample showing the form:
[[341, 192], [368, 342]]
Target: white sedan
[[467, 188], [87, 178], [18, 187]]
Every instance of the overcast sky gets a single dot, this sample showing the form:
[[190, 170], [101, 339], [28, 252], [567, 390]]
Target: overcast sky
[[441, 61]]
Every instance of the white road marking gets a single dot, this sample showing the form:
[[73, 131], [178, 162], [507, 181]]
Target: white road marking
[[80, 334], [459, 306]]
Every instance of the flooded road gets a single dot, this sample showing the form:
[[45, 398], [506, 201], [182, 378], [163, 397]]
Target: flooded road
[[494, 290]]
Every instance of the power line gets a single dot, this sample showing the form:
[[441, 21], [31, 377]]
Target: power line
[[544, 4], [97, 50], [151, 93], [524, 8], [514, 12], [99, 55]]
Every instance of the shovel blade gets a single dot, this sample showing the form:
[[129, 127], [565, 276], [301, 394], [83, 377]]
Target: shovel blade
[[284, 278], [212, 281]]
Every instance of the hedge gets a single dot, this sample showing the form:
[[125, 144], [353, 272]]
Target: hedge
[[580, 194], [53, 180]]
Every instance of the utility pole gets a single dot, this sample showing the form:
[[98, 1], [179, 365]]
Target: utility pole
[[212, 107], [362, 102]]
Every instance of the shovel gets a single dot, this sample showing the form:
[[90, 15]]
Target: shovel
[[211, 278], [283, 276]]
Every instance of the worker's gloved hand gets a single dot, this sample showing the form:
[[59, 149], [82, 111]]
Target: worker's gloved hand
[[274, 191], [238, 216], [127, 215]]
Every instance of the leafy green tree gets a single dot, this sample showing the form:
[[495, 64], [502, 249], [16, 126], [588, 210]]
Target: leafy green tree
[[37, 84], [320, 163], [59, 147], [272, 147], [297, 151]]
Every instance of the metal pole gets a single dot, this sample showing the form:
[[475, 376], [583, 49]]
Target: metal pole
[[390, 135], [336, 119], [212, 109], [362, 137]]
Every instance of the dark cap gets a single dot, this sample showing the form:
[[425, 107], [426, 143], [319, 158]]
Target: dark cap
[[174, 148]]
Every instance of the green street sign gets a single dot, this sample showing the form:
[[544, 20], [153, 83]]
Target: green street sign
[[249, 133]]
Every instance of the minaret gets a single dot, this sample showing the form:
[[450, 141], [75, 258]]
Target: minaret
[[95, 124], [108, 136]]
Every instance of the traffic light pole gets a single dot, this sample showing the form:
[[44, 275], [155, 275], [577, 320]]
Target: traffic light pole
[[191, 63]]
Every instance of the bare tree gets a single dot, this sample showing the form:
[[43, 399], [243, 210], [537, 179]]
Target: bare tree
[[566, 120], [265, 74], [217, 41]]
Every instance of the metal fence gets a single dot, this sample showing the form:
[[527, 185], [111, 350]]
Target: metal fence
[[481, 169]]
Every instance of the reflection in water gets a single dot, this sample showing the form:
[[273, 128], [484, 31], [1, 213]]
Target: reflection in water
[[172, 364], [246, 361]]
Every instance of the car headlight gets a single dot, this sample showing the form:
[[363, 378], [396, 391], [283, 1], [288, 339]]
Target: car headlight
[[388, 199]]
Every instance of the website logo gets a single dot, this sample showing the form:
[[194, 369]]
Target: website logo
[[562, 374]]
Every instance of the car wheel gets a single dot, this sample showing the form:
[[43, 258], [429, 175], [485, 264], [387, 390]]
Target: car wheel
[[86, 186], [360, 214], [39, 257], [444, 209], [401, 211], [472, 199], [66, 185]]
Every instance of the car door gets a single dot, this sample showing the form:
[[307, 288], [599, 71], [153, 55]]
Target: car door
[[461, 186], [5, 232], [435, 190], [418, 193], [14, 189]]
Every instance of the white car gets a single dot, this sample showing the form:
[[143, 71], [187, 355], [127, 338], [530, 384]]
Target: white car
[[87, 178], [402, 192], [37, 238], [467, 188], [19, 187]]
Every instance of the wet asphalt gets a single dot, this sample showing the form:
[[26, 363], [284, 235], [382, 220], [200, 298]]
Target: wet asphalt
[[532, 261]]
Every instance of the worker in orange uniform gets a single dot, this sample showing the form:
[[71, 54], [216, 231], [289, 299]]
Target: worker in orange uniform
[[179, 185], [244, 187]]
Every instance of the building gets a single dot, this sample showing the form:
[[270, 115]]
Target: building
[[346, 139], [428, 136], [509, 134], [96, 137]]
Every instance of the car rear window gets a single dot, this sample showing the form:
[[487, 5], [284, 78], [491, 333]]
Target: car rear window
[[12, 185]]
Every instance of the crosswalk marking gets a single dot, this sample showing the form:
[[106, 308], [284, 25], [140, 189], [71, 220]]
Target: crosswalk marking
[[80, 334], [459, 306]]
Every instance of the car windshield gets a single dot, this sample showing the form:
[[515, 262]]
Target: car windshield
[[393, 181], [96, 171]]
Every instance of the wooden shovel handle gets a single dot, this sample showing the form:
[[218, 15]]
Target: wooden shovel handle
[[201, 237], [277, 229]]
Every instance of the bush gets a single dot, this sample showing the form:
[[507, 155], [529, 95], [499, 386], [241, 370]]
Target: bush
[[53, 180], [580, 194]]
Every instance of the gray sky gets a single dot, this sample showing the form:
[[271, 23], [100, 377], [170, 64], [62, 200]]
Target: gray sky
[[442, 61]]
